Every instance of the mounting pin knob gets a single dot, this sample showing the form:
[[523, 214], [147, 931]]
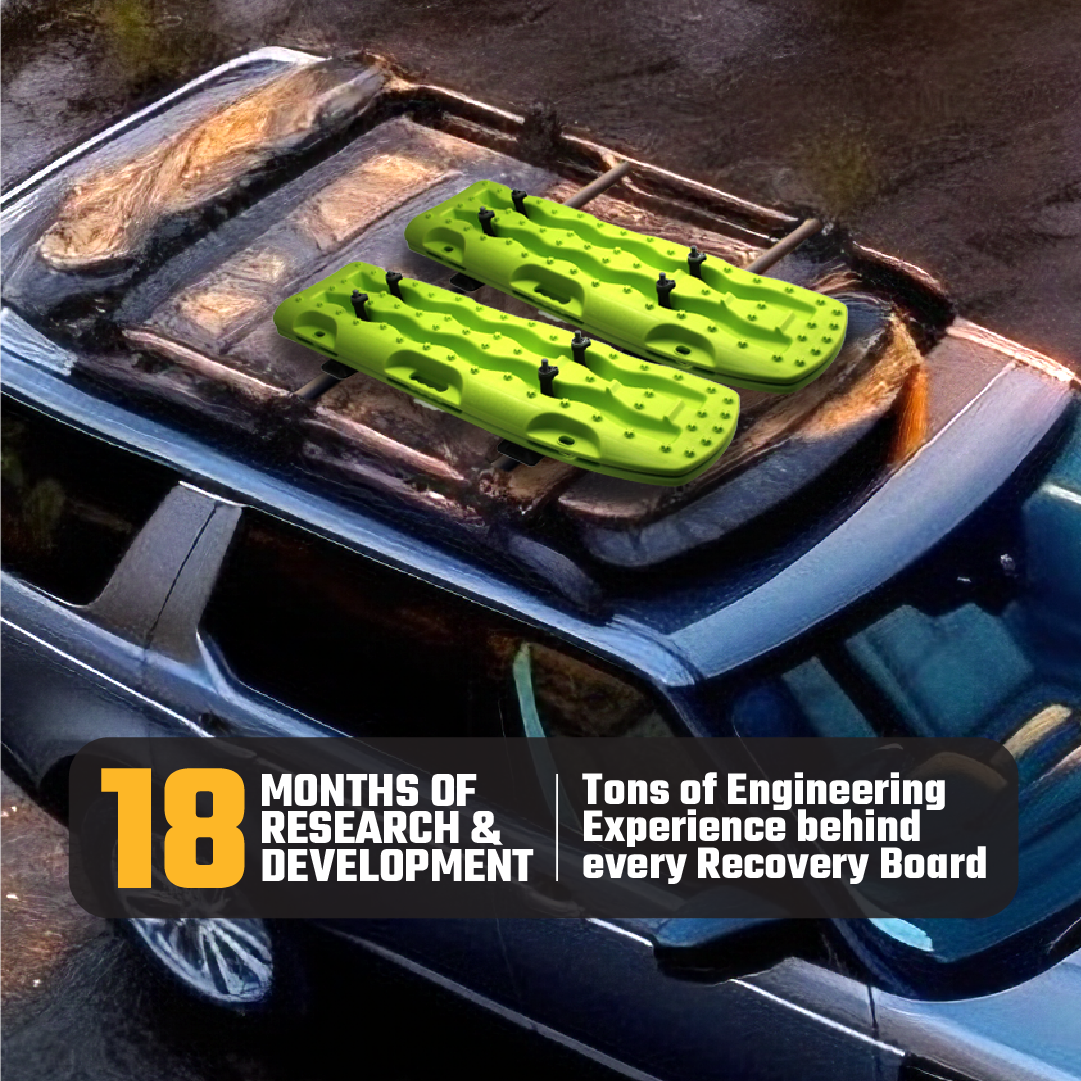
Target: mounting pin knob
[[695, 259], [487, 219], [517, 197], [359, 300], [664, 291], [393, 278], [579, 344], [546, 373]]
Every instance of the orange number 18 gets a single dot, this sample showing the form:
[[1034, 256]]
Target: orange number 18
[[133, 789]]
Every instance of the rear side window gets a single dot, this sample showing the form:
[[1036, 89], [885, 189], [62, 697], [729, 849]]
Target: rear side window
[[373, 651], [71, 504]]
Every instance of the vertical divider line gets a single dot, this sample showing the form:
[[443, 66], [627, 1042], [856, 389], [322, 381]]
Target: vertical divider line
[[557, 827]]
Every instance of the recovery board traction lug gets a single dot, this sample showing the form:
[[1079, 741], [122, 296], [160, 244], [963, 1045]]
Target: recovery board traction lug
[[606, 411], [652, 296]]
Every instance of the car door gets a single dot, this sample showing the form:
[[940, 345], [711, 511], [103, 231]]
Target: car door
[[596, 982], [272, 630], [265, 632]]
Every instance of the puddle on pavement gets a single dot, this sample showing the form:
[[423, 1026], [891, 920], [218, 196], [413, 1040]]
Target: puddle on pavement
[[42, 923], [942, 133]]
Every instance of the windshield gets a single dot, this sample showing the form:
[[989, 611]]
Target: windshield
[[980, 638]]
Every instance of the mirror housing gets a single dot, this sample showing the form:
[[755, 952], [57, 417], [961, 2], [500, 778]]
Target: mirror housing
[[714, 950]]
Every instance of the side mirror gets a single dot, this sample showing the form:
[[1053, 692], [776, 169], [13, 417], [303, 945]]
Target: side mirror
[[711, 950]]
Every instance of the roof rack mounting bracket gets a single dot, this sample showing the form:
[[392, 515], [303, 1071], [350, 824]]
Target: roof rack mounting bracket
[[521, 455]]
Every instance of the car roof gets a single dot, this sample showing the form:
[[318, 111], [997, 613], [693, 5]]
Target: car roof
[[676, 638], [181, 316], [634, 575]]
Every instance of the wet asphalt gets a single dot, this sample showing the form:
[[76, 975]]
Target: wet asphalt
[[948, 134]]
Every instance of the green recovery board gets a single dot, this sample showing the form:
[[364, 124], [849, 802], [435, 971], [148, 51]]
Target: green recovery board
[[613, 414], [726, 323]]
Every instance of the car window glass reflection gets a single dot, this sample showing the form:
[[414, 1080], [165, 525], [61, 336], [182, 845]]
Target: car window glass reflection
[[71, 504], [372, 651]]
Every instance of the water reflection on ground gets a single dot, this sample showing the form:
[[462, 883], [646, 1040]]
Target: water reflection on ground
[[949, 134]]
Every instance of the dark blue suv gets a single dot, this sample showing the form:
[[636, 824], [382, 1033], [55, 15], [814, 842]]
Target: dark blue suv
[[195, 543]]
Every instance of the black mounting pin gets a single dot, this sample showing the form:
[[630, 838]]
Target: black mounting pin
[[393, 278], [695, 259], [579, 344], [517, 197], [664, 291], [487, 220], [546, 373], [359, 300]]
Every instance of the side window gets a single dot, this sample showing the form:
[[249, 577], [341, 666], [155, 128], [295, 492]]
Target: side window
[[71, 504], [373, 651]]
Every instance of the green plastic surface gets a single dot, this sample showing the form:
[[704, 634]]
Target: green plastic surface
[[749, 330], [615, 414]]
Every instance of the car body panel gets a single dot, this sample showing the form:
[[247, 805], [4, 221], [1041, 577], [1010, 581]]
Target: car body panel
[[1025, 1033], [55, 702], [597, 981]]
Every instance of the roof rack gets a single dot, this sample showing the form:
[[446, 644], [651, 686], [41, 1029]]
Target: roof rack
[[187, 329]]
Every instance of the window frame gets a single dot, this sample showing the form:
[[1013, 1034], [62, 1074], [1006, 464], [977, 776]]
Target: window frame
[[158, 491], [525, 631]]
